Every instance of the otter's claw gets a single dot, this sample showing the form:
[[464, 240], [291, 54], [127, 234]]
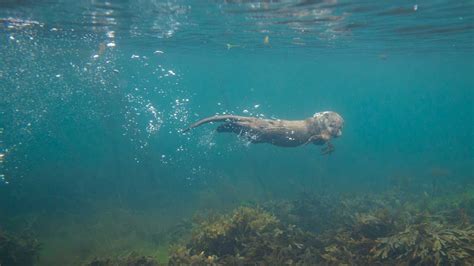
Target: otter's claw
[[328, 149]]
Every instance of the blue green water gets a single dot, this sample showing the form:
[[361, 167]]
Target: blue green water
[[94, 95]]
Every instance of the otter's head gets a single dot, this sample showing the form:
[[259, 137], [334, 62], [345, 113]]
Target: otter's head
[[330, 123]]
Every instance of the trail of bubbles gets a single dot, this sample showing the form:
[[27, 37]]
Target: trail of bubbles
[[141, 111], [3, 153]]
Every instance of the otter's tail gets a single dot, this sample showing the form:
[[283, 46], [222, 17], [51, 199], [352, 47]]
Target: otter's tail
[[217, 118]]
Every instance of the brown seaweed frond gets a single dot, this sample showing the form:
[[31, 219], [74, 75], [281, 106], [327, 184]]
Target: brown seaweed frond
[[131, 259], [428, 243], [18, 250], [247, 236]]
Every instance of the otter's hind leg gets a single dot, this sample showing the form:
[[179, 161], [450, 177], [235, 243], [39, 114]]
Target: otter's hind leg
[[241, 129]]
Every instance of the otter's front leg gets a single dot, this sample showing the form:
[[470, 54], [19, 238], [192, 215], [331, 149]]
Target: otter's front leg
[[328, 149], [322, 139]]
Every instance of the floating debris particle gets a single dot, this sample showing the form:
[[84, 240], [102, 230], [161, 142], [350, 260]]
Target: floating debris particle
[[230, 46], [266, 40]]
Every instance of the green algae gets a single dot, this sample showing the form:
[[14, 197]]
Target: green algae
[[389, 228], [365, 230], [132, 259], [246, 236], [429, 243], [18, 250]]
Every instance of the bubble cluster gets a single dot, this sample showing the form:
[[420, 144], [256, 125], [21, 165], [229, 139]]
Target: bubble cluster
[[180, 112], [142, 119], [2, 158], [57, 75]]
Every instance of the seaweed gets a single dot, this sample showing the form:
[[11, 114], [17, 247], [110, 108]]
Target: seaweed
[[372, 225], [466, 208], [390, 228], [247, 236], [429, 243], [18, 250], [370, 230], [319, 214], [181, 255], [352, 242], [311, 212], [131, 259]]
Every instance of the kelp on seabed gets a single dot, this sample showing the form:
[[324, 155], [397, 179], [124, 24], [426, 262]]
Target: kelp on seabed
[[380, 229], [428, 243], [132, 259], [247, 236], [18, 250]]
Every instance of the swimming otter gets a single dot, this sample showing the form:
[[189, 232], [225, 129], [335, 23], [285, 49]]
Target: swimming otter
[[318, 129]]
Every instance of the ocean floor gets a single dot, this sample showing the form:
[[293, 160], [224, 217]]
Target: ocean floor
[[398, 226]]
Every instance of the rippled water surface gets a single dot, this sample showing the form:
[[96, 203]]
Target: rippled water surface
[[361, 26]]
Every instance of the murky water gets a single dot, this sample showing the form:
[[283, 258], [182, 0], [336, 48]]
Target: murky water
[[95, 95]]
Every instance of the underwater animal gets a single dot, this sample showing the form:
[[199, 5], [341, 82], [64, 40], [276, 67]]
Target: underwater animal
[[318, 129]]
